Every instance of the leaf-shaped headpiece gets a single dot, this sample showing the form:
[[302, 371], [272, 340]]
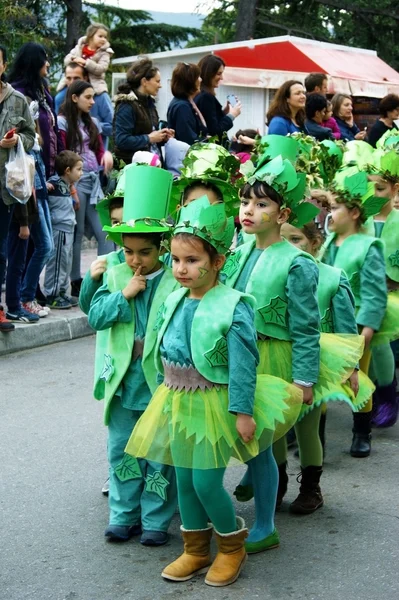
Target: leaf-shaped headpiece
[[383, 160], [207, 221], [356, 188]]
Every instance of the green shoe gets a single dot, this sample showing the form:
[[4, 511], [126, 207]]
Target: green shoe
[[268, 543], [244, 493]]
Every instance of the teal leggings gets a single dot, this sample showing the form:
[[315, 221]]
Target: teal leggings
[[202, 498], [382, 368], [309, 444]]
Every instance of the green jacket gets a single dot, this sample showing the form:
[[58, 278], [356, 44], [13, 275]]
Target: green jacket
[[267, 284], [119, 349], [213, 319], [390, 238]]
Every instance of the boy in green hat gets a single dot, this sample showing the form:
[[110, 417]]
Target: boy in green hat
[[142, 494]]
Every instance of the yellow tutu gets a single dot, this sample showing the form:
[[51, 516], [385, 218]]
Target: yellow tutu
[[339, 355], [193, 429], [389, 330]]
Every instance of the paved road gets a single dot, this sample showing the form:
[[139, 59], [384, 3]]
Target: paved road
[[53, 514]]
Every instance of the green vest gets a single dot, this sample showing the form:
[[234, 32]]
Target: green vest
[[212, 321], [267, 284], [390, 237], [329, 278], [351, 256], [118, 356]]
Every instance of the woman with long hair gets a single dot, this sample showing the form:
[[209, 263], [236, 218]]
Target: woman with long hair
[[219, 120], [343, 114], [287, 111], [184, 116], [29, 76], [136, 119], [82, 135]]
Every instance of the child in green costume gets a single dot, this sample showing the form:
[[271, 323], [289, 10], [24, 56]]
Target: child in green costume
[[337, 315], [202, 416], [283, 281], [142, 494], [361, 257]]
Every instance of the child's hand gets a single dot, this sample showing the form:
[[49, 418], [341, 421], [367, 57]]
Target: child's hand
[[354, 382], [307, 394], [136, 285], [368, 336], [24, 232], [80, 61], [98, 268], [246, 427], [49, 186], [107, 162]]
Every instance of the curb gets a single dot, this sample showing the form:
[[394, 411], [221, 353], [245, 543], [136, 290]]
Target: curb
[[49, 330]]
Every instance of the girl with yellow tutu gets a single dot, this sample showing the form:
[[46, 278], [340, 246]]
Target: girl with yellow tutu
[[283, 280], [211, 407]]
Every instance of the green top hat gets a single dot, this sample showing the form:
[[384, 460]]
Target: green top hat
[[280, 174], [277, 145], [207, 221], [208, 163], [356, 188], [146, 204], [103, 206]]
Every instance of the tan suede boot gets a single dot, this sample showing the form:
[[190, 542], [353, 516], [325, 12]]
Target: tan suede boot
[[196, 557], [230, 558]]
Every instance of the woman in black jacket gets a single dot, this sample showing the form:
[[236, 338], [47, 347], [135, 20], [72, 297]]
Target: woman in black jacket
[[219, 120], [183, 114]]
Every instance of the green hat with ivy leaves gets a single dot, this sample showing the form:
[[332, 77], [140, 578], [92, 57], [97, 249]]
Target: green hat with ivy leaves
[[207, 221], [281, 174], [384, 161], [389, 140], [356, 188], [146, 203], [208, 163]]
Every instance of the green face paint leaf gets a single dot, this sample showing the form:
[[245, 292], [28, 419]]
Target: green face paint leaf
[[203, 272], [128, 469], [108, 368], [275, 312], [326, 323], [394, 259], [355, 283], [217, 357], [157, 484]]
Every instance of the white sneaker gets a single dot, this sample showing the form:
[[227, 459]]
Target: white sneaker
[[35, 308]]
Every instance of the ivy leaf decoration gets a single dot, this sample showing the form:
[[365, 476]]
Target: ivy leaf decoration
[[394, 259], [157, 484], [356, 184], [128, 469], [108, 368], [326, 323], [355, 283], [275, 312], [232, 264], [160, 317], [217, 357]]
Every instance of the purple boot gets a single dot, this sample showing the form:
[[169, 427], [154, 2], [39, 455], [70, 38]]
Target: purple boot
[[386, 406]]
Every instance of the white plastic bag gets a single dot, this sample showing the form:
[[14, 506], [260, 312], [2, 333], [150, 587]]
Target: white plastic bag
[[20, 173]]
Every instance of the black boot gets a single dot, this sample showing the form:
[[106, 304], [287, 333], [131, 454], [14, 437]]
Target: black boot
[[322, 432], [361, 441], [75, 287], [282, 483], [309, 498]]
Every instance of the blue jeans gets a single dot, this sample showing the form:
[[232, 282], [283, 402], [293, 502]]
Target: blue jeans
[[16, 252], [5, 218], [41, 234]]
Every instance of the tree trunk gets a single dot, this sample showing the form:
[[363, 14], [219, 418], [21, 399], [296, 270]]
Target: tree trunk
[[73, 16], [245, 24]]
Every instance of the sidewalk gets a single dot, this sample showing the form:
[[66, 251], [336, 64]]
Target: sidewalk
[[58, 326]]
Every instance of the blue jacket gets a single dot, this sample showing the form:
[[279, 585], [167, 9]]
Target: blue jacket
[[102, 110], [317, 131], [347, 133], [185, 121], [283, 126]]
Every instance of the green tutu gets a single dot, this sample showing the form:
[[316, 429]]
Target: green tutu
[[339, 355], [194, 430], [389, 330]]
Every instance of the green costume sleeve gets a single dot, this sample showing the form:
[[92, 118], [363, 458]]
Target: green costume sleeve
[[108, 308], [304, 319], [343, 308], [373, 290], [87, 291], [243, 360]]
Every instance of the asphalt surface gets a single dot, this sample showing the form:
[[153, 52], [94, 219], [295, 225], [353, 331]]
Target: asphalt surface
[[52, 513]]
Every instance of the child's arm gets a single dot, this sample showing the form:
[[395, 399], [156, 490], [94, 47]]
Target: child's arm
[[373, 293], [72, 56], [304, 324], [98, 68], [92, 281]]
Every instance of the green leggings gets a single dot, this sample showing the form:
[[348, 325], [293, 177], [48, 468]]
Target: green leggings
[[309, 444], [202, 498], [382, 368]]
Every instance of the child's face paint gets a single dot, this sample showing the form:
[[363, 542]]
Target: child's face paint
[[258, 215], [141, 252], [192, 266], [296, 237], [116, 215]]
